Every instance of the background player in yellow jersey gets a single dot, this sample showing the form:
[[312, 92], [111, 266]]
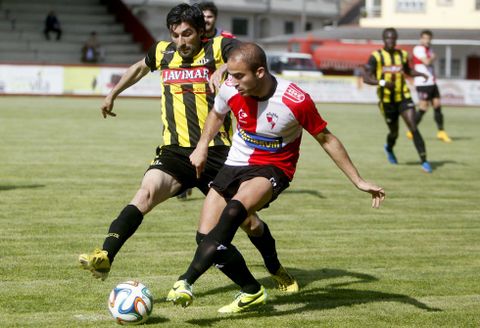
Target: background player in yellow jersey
[[386, 68], [185, 65]]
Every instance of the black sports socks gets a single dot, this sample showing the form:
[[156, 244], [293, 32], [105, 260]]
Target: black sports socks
[[419, 115], [419, 145], [216, 246], [266, 246], [122, 228], [438, 117], [229, 260]]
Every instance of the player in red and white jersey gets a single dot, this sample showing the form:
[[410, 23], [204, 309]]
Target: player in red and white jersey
[[269, 126], [423, 58], [271, 114]]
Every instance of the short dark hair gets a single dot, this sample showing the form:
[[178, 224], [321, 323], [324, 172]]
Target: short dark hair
[[185, 13], [427, 32], [389, 29], [209, 6], [251, 53]]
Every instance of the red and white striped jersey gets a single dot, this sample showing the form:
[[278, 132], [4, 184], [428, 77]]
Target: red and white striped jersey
[[269, 132], [420, 52]]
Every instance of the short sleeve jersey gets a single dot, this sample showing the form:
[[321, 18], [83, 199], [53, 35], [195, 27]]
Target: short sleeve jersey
[[421, 52], [186, 97], [391, 66], [269, 132]]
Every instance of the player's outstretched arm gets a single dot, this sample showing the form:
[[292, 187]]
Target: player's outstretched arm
[[133, 74], [198, 157], [334, 148]]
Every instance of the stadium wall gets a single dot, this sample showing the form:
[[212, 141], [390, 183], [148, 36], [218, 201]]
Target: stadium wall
[[74, 80]]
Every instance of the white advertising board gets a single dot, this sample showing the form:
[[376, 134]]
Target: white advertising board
[[98, 80]]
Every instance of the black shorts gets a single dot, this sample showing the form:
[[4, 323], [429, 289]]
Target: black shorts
[[391, 111], [175, 161], [428, 92], [229, 179]]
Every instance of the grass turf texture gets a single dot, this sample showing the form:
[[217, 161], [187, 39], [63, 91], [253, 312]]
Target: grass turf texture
[[65, 173]]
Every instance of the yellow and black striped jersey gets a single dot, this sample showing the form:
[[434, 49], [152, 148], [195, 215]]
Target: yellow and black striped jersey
[[186, 97], [391, 66]]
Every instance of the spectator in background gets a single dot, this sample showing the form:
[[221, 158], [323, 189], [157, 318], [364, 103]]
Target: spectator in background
[[52, 24], [91, 50]]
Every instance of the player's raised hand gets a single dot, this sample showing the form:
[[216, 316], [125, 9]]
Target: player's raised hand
[[378, 194], [198, 158], [216, 78], [107, 108]]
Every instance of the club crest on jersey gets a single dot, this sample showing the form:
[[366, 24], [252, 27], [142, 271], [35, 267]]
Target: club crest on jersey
[[186, 75], [203, 61], [242, 116], [294, 94], [272, 119]]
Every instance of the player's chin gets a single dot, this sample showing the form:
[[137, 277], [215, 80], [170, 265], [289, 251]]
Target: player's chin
[[186, 54], [243, 92]]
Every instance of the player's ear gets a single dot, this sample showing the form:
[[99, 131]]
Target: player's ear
[[260, 73]]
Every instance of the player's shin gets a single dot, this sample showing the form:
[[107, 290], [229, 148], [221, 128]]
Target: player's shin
[[419, 115], [222, 234], [122, 228], [265, 243], [438, 117], [419, 145]]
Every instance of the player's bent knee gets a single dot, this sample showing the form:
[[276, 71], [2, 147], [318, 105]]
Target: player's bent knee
[[253, 226]]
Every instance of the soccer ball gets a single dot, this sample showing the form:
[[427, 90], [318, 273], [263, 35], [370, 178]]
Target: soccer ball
[[130, 303]]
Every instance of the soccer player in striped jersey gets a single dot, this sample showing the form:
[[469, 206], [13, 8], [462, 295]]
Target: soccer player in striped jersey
[[210, 14], [386, 69], [271, 114], [186, 64], [423, 58]]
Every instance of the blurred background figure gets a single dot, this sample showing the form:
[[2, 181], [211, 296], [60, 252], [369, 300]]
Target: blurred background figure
[[92, 50], [52, 24], [427, 90], [210, 14]]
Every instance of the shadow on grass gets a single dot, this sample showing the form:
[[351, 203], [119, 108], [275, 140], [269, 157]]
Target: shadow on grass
[[461, 138], [33, 186], [154, 320], [435, 164], [310, 192], [331, 296]]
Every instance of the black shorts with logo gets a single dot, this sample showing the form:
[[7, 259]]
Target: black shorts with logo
[[229, 179], [428, 92], [391, 111], [174, 160]]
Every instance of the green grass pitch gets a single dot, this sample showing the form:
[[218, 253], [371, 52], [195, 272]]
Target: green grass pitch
[[65, 173]]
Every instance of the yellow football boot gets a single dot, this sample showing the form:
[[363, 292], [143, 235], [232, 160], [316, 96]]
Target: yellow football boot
[[285, 281], [181, 293], [244, 301], [97, 263], [442, 135]]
